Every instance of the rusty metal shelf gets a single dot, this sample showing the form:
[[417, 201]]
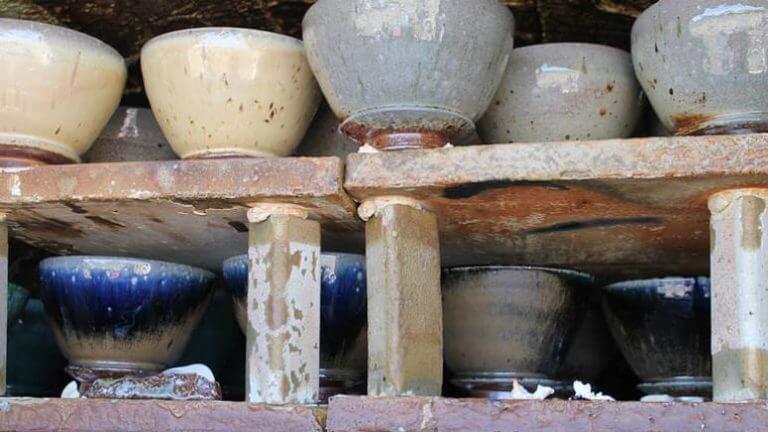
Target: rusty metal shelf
[[192, 212], [618, 208]]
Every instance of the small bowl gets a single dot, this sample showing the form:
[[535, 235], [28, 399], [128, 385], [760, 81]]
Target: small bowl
[[343, 317], [564, 92], [408, 74], [703, 64], [509, 323], [123, 315], [132, 135], [59, 89], [229, 92], [662, 326]]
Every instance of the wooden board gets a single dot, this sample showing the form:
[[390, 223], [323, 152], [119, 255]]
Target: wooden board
[[80, 415], [357, 414], [618, 208], [191, 212]]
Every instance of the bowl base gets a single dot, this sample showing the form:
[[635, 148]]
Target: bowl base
[[698, 124], [406, 128], [13, 155], [498, 385], [679, 387], [334, 382], [91, 370], [228, 154]]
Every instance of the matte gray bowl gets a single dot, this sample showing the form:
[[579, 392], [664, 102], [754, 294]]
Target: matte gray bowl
[[408, 73], [564, 92], [704, 64]]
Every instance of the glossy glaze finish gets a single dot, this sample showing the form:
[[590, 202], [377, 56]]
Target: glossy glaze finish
[[219, 92], [57, 91], [131, 135], [17, 301], [408, 73], [35, 363], [509, 322], [662, 326], [343, 307], [702, 62], [123, 314], [564, 92]]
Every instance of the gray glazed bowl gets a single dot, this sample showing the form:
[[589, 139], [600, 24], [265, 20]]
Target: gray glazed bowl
[[131, 135], [507, 323], [564, 92], [408, 73], [704, 64]]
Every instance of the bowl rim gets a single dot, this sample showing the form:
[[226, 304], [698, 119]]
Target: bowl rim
[[266, 35], [633, 283], [60, 261], [554, 270], [96, 42], [595, 46]]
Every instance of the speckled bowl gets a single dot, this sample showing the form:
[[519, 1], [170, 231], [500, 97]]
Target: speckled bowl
[[662, 326], [343, 317], [509, 323], [122, 314], [131, 135], [704, 63], [224, 92], [59, 88], [408, 73], [564, 92]]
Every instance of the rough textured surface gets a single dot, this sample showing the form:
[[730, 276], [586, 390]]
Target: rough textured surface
[[80, 415], [283, 310], [619, 208], [405, 331], [127, 24], [348, 414], [170, 210], [3, 305], [739, 300]]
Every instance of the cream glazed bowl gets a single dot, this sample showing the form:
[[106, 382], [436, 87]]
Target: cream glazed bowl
[[58, 89], [227, 92], [564, 92]]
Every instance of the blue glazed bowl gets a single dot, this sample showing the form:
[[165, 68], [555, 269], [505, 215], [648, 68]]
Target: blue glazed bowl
[[662, 326], [343, 308], [121, 315]]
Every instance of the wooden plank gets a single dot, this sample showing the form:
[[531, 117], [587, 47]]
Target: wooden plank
[[96, 415], [170, 210], [357, 414], [620, 208]]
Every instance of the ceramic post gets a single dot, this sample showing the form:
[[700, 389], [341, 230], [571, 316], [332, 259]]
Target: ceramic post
[[739, 257], [405, 331], [3, 304], [283, 309]]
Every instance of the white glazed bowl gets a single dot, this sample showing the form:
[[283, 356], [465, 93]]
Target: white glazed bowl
[[59, 88], [223, 92]]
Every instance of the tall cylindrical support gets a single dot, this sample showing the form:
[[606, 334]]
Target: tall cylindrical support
[[283, 309], [739, 261], [405, 316], [3, 303]]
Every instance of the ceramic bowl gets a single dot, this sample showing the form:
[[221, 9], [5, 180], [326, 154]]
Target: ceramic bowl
[[509, 323], [17, 301], [564, 92], [131, 135], [343, 317], [122, 314], [223, 92], [59, 89], [35, 363], [702, 62], [408, 73], [324, 137], [662, 326]]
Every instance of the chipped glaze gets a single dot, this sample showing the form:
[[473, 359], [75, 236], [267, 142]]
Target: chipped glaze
[[422, 70], [564, 92], [219, 92], [662, 326], [701, 61], [58, 89], [123, 314], [509, 322]]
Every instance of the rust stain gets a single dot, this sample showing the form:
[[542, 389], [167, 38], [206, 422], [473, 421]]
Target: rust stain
[[751, 226], [689, 124], [395, 138], [603, 111]]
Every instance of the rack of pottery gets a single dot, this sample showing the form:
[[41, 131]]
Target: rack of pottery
[[512, 265]]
